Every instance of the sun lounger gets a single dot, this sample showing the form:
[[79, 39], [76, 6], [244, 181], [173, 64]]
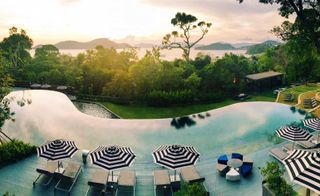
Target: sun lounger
[[288, 147], [307, 144], [46, 173], [191, 175], [162, 185], [98, 182], [126, 183], [69, 178], [279, 154]]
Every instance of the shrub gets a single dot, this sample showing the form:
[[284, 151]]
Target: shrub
[[166, 98], [14, 151], [273, 176], [194, 189]]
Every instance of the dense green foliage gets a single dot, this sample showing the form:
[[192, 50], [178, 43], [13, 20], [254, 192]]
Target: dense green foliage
[[5, 82], [14, 151], [120, 76], [273, 176], [194, 189]]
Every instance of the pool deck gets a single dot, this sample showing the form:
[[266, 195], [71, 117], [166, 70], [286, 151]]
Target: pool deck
[[17, 178]]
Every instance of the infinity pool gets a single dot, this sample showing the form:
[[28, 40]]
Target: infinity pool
[[247, 128]]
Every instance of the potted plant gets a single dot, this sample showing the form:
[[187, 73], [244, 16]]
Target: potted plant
[[274, 183]]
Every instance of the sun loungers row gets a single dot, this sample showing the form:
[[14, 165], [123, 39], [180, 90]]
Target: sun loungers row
[[102, 182], [164, 184], [282, 153], [68, 176]]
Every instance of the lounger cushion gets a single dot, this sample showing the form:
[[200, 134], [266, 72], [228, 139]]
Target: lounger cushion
[[223, 159], [99, 178], [127, 178], [190, 174], [161, 178], [49, 168], [72, 170], [306, 144], [278, 154]]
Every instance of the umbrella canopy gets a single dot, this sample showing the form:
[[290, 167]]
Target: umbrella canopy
[[313, 123], [304, 168], [112, 157], [294, 133], [175, 156], [57, 149]]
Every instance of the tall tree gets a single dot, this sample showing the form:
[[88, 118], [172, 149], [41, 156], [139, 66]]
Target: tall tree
[[187, 23], [307, 23], [15, 47], [5, 113]]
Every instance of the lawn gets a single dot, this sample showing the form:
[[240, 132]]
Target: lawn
[[297, 91], [144, 112]]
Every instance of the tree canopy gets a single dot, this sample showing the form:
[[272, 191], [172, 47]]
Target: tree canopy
[[307, 23], [187, 23]]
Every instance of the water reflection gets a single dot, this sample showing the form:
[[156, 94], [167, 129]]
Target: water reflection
[[243, 126], [182, 122]]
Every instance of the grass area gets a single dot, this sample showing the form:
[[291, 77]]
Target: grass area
[[145, 112], [297, 91]]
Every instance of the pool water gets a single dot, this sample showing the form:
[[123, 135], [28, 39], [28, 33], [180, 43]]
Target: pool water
[[247, 128], [93, 109]]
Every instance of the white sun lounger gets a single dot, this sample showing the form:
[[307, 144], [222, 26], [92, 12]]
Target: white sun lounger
[[69, 178], [126, 183], [279, 154], [162, 184], [46, 173], [98, 182]]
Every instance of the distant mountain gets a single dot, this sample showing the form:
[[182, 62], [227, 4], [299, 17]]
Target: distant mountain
[[216, 46], [90, 44], [262, 47], [242, 45]]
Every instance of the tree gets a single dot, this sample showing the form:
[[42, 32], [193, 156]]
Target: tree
[[15, 47], [5, 113], [307, 23], [186, 23]]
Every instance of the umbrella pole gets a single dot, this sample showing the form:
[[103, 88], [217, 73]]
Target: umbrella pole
[[112, 176], [58, 167], [175, 171]]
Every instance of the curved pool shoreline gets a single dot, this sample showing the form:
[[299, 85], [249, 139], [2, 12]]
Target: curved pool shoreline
[[247, 128]]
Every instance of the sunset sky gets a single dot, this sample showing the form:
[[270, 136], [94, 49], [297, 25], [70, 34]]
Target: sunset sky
[[134, 21]]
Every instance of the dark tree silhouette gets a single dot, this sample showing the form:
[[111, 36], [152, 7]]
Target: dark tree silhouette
[[186, 23]]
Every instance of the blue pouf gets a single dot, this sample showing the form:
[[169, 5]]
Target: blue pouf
[[223, 159], [237, 156], [246, 169]]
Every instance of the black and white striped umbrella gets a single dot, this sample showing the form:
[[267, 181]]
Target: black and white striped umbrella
[[313, 123], [294, 133], [57, 149], [175, 156], [112, 157], [303, 168]]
